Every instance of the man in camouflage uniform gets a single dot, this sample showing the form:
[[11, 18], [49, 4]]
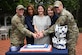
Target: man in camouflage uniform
[[18, 30], [65, 18]]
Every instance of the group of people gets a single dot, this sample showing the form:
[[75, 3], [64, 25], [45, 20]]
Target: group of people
[[40, 25], [37, 23]]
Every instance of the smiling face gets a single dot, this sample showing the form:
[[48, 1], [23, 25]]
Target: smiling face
[[30, 10], [40, 10], [58, 9], [50, 12], [20, 12]]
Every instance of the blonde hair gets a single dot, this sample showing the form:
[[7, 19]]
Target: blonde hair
[[51, 7]]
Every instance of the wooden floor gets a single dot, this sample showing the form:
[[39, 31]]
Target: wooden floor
[[4, 45]]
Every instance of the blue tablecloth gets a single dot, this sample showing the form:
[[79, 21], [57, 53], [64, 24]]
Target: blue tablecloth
[[54, 52]]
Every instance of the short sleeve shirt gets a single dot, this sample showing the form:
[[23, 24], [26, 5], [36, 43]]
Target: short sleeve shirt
[[42, 23]]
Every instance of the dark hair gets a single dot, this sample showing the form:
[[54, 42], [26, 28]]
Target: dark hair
[[43, 8], [32, 6]]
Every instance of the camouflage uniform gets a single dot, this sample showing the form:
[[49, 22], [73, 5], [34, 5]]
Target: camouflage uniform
[[18, 31], [66, 18]]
